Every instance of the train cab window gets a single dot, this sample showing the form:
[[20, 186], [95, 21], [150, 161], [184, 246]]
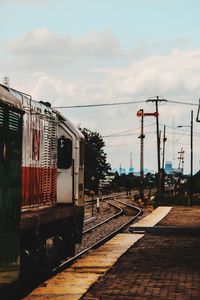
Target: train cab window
[[64, 153]]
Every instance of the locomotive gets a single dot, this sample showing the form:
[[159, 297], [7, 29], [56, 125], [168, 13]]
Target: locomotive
[[41, 184]]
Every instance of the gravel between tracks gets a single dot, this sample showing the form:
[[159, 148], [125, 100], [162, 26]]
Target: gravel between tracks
[[105, 212], [98, 233]]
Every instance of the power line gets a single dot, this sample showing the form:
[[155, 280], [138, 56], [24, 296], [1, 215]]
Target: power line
[[183, 133], [130, 133], [125, 132], [121, 103], [100, 104], [181, 102]]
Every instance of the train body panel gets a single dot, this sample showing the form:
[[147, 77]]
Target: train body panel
[[39, 168], [46, 187], [38, 186]]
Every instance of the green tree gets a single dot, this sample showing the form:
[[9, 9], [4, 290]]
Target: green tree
[[125, 182], [96, 166]]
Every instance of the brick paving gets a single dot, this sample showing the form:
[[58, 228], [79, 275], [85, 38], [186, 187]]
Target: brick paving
[[182, 216], [156, 267]]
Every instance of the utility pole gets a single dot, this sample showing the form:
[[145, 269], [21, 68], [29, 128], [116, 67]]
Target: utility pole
[[191, 155], [163, 160], [191, 175], [164, 141], [156, 101]]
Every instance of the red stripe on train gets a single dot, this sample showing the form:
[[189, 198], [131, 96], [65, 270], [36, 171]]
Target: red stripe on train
[[38, 186]]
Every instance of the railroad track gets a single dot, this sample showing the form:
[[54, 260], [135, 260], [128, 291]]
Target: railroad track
[[122, 212], [90, 206], [119, 213], [103, 240]]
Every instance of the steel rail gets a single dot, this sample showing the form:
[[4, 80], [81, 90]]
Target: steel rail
[[70, 261], [120, 212]]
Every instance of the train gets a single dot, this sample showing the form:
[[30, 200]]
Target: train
[[41, 184]]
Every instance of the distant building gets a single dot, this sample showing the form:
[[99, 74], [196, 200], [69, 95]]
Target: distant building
[[168, 167], [131, 169], [122, 171], [170, 170]]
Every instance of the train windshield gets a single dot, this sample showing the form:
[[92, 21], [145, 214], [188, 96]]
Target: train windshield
[[64, 153]]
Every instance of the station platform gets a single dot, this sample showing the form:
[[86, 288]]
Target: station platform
[[137, 265], [160, 265]]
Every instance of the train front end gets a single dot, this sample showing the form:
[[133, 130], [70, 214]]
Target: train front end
[[41, 185], [11, 114]]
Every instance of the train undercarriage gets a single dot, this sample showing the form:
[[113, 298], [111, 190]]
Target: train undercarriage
[[50, 235]]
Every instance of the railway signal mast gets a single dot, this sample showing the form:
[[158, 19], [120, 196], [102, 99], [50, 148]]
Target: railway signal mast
[[156, 101], [141, 114]]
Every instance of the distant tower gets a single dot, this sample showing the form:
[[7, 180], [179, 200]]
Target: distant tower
[[120, 169], [181, 160], [6, 81], [131, 169]]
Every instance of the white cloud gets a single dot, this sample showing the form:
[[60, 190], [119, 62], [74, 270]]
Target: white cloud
[[175, 76], [42, 47]]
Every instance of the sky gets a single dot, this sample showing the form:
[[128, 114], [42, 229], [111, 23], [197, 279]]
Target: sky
[[98, 52]]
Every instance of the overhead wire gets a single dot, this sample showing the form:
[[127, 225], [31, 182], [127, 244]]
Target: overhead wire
[[120, 103], [100, 104], [132, 143], [120, 133], [128, 134], [125, 133], [183, 103]]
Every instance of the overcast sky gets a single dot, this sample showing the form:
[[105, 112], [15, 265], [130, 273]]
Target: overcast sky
[[89, 51]]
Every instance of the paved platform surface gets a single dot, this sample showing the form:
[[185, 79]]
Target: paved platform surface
[[157, 266], [73, 282], [76, 280]]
